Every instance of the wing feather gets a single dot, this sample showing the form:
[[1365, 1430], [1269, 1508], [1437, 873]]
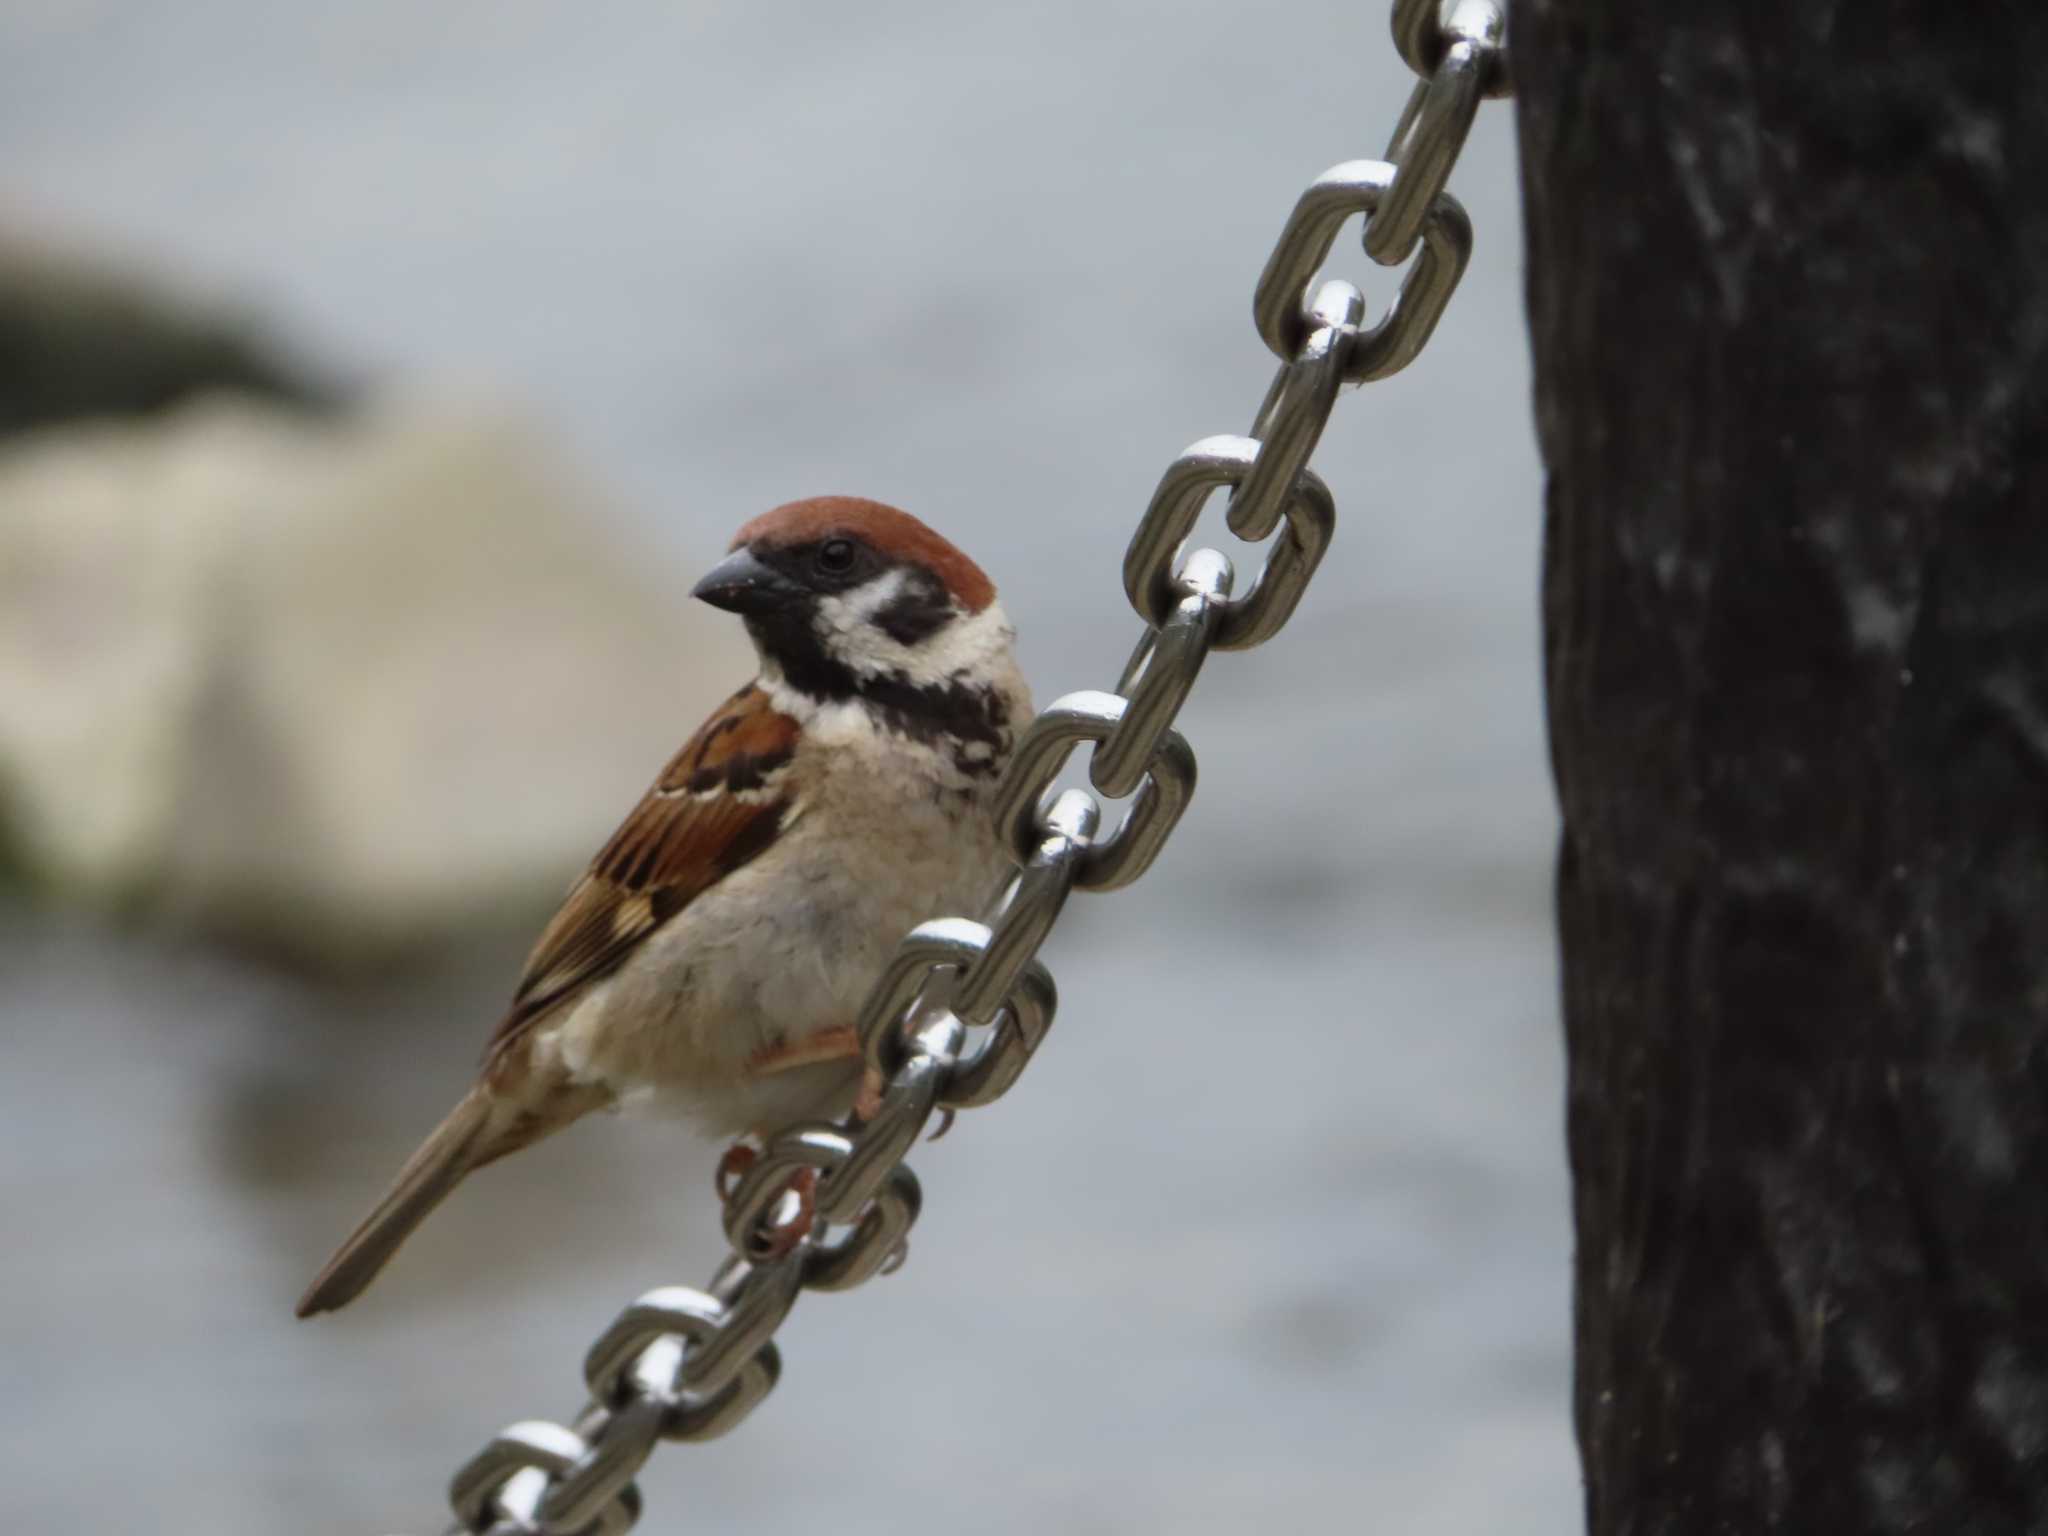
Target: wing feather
[[719, 803]]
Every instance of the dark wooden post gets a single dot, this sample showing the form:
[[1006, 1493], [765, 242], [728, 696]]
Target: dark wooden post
[[1788, 285]]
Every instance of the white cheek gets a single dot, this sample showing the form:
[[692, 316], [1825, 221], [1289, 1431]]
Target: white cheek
[[966, 644], [845, 623], [853, 609], [973, 643]]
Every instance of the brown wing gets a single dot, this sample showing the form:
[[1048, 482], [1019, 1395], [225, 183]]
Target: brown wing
[[719, 803]]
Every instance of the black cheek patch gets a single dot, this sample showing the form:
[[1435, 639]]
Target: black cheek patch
[[916, 613]]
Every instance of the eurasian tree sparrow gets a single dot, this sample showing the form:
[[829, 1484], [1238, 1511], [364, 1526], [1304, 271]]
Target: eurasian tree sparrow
[[715, 955]]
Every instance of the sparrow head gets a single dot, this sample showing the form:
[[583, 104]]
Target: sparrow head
[[837, 591], [853, 603]]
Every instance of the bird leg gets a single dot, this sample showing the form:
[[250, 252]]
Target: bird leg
[[868, 1102], [826, 1045], [838, 1044]]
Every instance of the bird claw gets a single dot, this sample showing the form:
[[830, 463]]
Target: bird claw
[[732, 1167], [780, 1239], [775, 1238]]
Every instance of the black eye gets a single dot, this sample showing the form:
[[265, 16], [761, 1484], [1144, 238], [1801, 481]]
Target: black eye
[[836, 556]]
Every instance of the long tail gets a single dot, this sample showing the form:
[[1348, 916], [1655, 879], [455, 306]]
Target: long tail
[[457, 1145]]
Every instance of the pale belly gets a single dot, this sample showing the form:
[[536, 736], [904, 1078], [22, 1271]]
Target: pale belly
[[776, 952]]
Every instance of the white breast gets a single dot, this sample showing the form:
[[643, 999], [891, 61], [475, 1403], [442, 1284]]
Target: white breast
[[789, 944]]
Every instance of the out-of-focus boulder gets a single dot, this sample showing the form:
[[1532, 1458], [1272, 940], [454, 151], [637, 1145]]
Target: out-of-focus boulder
[[332, 686], [80, 337]]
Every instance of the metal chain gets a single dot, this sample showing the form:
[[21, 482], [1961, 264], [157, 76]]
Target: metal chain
[[955, 1018]]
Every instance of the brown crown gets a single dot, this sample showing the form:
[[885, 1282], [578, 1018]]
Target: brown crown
[[890, 532]]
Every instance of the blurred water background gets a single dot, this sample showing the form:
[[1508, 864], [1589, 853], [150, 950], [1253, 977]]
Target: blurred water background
[[1275, 1230]]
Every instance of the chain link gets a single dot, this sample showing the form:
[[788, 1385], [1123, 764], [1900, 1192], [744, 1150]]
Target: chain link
[[1151, 580], [956, 1016]]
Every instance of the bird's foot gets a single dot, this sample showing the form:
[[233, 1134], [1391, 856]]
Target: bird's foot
[[826, 1045], [732, 1167], [794, 1214], [782, 1233]]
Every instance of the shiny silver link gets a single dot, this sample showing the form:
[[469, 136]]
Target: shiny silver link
[[1161, 672], [1426, 30], [1296, 409], [962, 1005], [907, 1105], [757, 1297], [1114, 861], [1404, 125], [931, 956], [814, 1147], [1253, 619], [948, 946], [694, 1419], [1357, 186], [517, 1507], [876, 1245], [574, 1501], [630, 1352], [476, 1492], [670, 1311], [1033, 902], [1425, 146], [986, 1074]]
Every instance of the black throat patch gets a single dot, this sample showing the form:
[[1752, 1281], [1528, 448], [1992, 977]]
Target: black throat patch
[[955, 713]]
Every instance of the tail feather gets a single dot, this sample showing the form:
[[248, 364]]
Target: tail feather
[[457, 1145]]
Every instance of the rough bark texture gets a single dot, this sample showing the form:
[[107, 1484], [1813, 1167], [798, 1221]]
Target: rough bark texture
[[1788, 281]]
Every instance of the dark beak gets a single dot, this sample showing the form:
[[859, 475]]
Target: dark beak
[[742, 584]]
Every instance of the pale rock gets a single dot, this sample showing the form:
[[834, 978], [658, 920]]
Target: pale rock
[[336, 686]]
